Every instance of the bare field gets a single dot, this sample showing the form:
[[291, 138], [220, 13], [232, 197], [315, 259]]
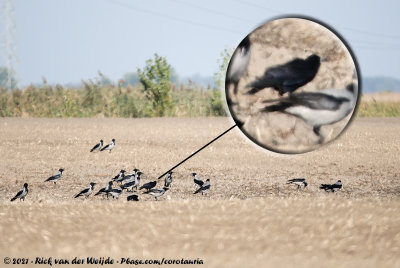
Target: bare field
[[250, 219]]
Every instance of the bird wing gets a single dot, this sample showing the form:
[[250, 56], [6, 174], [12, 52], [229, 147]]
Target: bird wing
[[198, 182], [17, 195], [313, 100], [102, 190], [82, 192], [95, 147], [105, 147], [54, 177], [297, 180]]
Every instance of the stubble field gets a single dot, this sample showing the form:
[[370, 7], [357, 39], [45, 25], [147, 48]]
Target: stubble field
[[251, 218]]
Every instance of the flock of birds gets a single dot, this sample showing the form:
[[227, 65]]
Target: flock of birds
[[131, 181], [318, 108], [126, 181]]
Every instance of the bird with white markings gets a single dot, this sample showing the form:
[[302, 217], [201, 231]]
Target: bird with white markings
[[168, 179], [204, 188], [87, 191], [105, 190], [115, 193], [128, 177], [298, 181], [120, 175], [109, 146], [132, 184], [133, 197], [56, 176], [319, 108], [332, 187], [197, 180], [157, 192], [21, 194], [287, 77], [148, 186], [97, 147], [238, 64]]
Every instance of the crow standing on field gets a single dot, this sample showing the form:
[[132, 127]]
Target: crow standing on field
[[21, 194], [109, 146], [115, 193], [332, 187], [132, 184], [105, 190], [87, 191], [156, 192], [120, 175], [287, 77], [97, 147], [129, 177], [197, 180], [204, 189], [56, 177], [238, 64], [149, 185], [318, 108], [298, 181]]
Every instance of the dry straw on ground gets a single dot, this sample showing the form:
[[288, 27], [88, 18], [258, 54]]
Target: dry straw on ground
[[250, 219]]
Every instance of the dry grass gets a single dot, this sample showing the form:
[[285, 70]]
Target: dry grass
[[251, 218]]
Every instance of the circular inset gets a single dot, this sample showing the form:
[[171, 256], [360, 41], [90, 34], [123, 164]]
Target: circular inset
[[292, 85]]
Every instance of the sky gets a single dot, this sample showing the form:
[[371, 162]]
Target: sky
[[67, 41]]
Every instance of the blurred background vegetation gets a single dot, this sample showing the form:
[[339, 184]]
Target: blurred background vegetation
[[152, 91], [149, 92]]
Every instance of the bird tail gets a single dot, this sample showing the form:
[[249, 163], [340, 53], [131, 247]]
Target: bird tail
[[102, 149], [198, 191], [78, 195], [12, 199], [323, 186], [91, 150]]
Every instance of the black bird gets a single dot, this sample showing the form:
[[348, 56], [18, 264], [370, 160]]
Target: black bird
[[238, 64], [133, 197], [318, 108], [332, 187], [56, 177], [156, 192], [119, 176], [149, 185], [197, 180], [109, 146], [204, 189], [168, 179], [115, 193], [132, 184], [21, 194], [105, 190], [97, 147], [87, 191], [298, 181], [287, 77]]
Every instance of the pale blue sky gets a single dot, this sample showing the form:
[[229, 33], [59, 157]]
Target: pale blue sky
[[66, 41]]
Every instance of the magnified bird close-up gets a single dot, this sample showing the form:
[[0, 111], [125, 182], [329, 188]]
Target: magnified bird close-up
[[292, 85]]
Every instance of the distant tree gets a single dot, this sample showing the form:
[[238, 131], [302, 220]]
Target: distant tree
[[4, 75], [131, 78], [155, 78]]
